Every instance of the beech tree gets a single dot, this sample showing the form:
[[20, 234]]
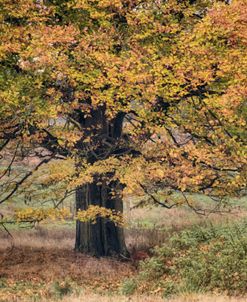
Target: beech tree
[[111, 97]]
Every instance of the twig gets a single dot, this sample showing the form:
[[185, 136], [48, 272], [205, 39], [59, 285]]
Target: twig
[[156, 200], [20, 182], [11, 162], [67, 194]]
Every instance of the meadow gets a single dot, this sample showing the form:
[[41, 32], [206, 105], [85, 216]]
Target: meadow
[[187, 257]]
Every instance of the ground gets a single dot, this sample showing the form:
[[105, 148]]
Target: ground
[[42, 265]]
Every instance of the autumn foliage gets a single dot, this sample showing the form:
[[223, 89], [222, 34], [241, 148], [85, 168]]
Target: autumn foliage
[[149, 94]]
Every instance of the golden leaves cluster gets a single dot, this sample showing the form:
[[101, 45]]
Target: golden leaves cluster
[[32, 215], [93, 212]]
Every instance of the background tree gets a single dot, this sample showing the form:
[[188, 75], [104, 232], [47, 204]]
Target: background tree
[[127, 96]]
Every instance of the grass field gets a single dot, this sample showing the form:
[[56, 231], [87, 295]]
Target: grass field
[[42, 266], [186, 298]]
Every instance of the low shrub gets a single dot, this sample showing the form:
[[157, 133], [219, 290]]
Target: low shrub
[[128, 286], [61, 289], [200, 259], [2, 283]]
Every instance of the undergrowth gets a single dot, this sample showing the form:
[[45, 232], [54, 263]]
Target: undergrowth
[[202, 259]]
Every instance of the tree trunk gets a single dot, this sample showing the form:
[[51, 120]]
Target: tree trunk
[[103, 238]]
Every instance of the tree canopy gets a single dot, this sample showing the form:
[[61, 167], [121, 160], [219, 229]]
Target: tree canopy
[[150, 94]]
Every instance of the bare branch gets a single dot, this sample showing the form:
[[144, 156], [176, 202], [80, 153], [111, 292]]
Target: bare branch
[[156, 201], [4, 144], [20, 182], [66, 195], [11, 162]]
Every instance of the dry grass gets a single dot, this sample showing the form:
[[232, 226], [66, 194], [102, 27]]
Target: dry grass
[[177, 218], [64, 239], [42, 237], [56, 264], [45, 255], [186, 298], [146, 228], [152, 227], [31, 271]]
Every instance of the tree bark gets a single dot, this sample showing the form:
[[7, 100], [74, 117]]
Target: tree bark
[[103, 238]]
